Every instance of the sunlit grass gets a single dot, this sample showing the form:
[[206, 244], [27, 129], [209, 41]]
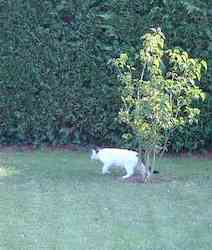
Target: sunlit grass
[[6, 170]]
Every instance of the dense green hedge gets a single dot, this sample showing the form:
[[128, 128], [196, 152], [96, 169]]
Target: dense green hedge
[[55, 83]]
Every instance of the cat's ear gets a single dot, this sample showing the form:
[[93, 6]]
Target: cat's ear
[[97, 149], [93, 154]]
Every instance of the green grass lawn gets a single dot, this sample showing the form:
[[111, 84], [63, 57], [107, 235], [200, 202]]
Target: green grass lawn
[[59, 200]]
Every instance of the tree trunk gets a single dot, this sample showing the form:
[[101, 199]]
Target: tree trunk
[[143, 169]]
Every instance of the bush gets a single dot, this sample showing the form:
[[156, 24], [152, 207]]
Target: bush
[[55, 84]]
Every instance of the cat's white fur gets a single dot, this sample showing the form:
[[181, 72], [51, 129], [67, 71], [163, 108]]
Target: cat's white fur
[[114, 157]]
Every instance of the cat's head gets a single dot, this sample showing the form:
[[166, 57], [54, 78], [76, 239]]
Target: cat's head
[[94, 154]]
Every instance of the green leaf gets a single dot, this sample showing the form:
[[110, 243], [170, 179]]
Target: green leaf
[[204, 65]]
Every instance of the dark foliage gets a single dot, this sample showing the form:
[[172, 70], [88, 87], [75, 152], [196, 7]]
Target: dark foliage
[[55, 83]]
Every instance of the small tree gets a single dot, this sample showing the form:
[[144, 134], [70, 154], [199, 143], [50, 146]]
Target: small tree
[[160, 88]]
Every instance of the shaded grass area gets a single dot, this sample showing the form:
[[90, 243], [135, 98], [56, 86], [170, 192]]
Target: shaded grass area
[[60, 200]]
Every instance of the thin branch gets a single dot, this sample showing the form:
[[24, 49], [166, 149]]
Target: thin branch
[[141, 79], [138, 108]]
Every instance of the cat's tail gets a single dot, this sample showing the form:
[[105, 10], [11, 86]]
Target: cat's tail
[[156, 172]]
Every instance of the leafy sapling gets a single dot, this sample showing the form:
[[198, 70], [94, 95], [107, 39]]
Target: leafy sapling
[[158, 92]]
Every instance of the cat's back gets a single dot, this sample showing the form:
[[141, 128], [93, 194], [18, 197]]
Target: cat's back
[[117, 156]]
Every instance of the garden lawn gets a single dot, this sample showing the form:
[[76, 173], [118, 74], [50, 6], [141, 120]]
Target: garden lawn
[[60, 200]]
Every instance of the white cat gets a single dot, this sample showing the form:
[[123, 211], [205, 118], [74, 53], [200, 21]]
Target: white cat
[[122, 158]]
